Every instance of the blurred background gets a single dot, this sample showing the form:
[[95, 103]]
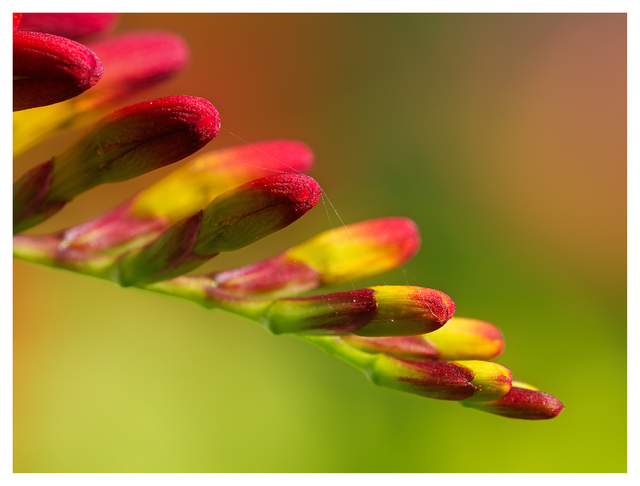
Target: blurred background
[[502, 135]]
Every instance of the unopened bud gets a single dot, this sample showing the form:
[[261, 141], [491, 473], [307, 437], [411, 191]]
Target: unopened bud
[[359, 250], [135, 61], [373, 311], [459, 339], [464, 338], [161, 259], [254, 210], [366, 249], [128, 143], [234, 219], [444, 380], [48, 69], [522, 402], [198, 182]]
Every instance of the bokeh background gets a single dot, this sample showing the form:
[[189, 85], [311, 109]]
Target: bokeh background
[[502, 135]]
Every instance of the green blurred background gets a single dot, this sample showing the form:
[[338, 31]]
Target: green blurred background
[[503, 136]]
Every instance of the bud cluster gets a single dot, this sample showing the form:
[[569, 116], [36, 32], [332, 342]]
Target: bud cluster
[[403, 337]]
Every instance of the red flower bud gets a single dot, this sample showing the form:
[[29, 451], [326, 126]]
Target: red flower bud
[[48, 69]]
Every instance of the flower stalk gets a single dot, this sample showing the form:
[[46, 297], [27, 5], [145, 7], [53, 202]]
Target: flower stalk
[[405, 338]]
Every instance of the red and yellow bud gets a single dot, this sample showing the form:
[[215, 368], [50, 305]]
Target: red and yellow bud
[[234, 219], [374, 311], [70, 25], [415, 348], [164, 258], [197, 183], [254, 210], [464, 338], [382, 244], [407, 310], [129, 142], [359, 250], [269, 279], [48, 69], [459, 339], [135, 140], [132, 62], [443, 380], [522, 402]]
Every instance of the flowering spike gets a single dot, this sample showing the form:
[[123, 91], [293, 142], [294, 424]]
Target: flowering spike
[[48, 69], [522, 402], [71, 25], [374, 311], [254, 210], [464, 338], [129, 142], [366, 249], [197, 183]]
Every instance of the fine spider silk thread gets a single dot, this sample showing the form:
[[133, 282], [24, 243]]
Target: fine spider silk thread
[[323, 195]]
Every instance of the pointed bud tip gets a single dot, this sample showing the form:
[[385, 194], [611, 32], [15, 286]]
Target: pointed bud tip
[[522, 403], [138, 60], [172, 113]]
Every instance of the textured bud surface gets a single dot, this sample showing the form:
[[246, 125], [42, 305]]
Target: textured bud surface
[[254, 210], [48, 69]]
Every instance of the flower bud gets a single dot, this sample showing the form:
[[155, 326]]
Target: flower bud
[[443, 380], [359, 250], [373, 311], [522, 402], [70, 25], [272, 278], [464, 338], [416, 348], [459, 339], [254, 210], [136, 61], [162, 258], [28, 194], [132, 63], [130, 142], [48, 69], [197, 183], [233, 220], [326, 258]]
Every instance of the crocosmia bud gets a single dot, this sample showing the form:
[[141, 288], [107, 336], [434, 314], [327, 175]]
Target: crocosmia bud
[[522, 402], [373, 311], [48, 69], [254, 210]]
